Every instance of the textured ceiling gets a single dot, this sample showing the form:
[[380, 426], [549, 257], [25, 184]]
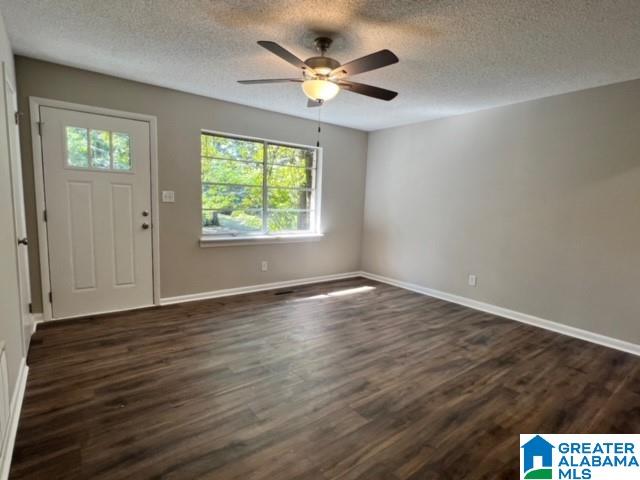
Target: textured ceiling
[[456, 56]]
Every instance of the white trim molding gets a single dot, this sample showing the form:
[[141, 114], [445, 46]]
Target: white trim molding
[[207, 241], [512, 315], [227, 292], [14, 418], [18, 205]]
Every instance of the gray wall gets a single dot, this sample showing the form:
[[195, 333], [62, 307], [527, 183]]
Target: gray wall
[[9, 295], [185, 267], [541, 200]]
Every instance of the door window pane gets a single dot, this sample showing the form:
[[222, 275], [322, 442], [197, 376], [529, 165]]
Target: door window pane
[[121, 151], [100, 149], [77, 147]]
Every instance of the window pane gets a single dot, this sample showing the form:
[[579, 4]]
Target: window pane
[[231, 148], [121, 151], [231, 197], [230, 171], [232, 221], [100, 149], [289, 221], [292, 177], [290, 156], [77, 147], [285, 199]]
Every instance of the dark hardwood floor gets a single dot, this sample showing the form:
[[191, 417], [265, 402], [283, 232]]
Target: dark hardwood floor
[[330, 381]]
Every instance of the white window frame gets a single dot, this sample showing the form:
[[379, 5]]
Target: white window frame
[[313, 234]]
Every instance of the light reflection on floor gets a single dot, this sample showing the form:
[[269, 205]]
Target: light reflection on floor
[[339, 293]]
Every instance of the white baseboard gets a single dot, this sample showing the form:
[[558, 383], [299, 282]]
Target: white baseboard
[[512, 315], [449, 297], [36, 318], [14, 418], [255, 288]]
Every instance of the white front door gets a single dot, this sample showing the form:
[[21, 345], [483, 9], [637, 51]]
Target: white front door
[[97, 184], [20, 223]]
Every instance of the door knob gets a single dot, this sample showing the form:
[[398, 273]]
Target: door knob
[[145, 226], [145, 213], [23, 241]]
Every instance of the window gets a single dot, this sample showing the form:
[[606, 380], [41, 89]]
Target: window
[[257, 187], [98, 149]]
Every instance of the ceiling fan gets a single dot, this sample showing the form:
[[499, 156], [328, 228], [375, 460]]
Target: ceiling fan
[[323, 77]]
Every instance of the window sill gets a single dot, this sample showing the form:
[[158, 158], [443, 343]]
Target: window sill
[[207, 241]]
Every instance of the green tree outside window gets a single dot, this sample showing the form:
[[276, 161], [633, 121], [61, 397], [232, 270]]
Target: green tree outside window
[[253, 187]]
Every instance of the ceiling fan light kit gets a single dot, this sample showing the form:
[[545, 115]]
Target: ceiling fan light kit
[[320, 90], [323, 77]]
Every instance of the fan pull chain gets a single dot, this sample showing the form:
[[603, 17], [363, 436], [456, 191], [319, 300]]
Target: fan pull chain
[[319, 126]]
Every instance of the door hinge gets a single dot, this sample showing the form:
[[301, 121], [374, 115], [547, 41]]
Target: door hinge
[[17, 117], [50, 297], [40, 124], [30, 308], [44, 215]]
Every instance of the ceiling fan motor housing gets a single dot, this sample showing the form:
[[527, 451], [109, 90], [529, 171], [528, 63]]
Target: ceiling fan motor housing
[[322, 65]]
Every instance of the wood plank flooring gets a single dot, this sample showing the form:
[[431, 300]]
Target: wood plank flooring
[[343, 380]]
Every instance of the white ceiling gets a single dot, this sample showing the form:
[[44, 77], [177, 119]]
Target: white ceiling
[[456, 56]]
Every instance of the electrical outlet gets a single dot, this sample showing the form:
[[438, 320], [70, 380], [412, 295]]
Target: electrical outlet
[[168, 196], [473, 280], [265, 266]]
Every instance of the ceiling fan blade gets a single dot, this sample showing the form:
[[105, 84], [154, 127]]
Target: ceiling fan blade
[[313, 103], [283, 53], [368, 90], [365, 64], [270, 80]]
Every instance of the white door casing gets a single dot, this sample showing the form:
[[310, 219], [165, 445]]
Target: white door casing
[[100, 253], [20, 224]]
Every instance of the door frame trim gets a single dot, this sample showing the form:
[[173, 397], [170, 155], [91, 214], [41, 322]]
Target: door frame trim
[[19, 208], [38, 172]]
